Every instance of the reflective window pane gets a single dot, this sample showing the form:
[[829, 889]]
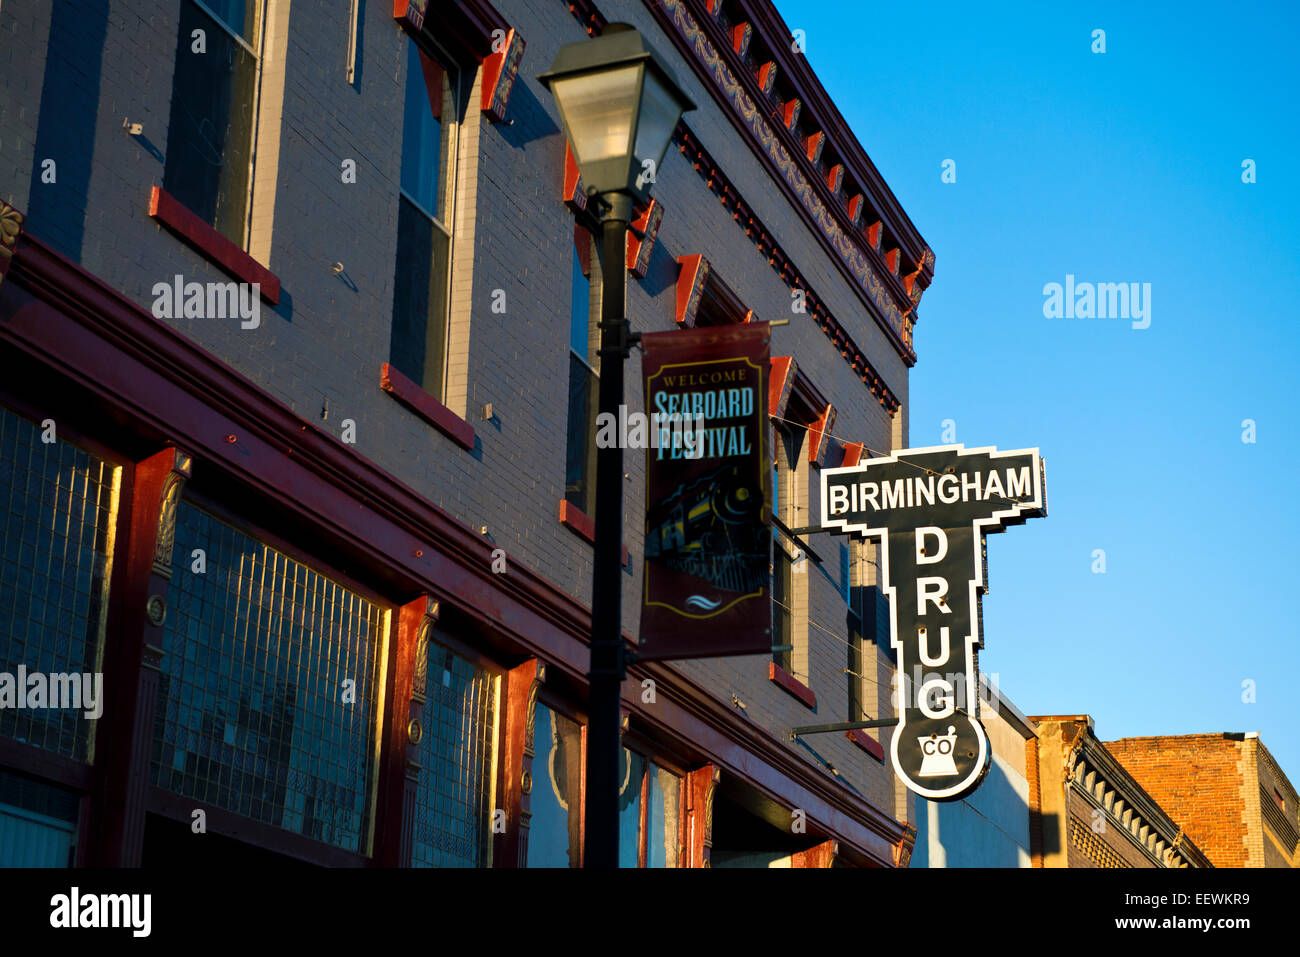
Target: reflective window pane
[[555, 832], [210, 129], [59, 510], [663, 819], [632, 773], [422, 133], [267, 699], [457, 755]]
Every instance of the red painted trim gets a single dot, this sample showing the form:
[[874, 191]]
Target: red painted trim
[[171, 213], [801, 81], [691, 277], [819, 435], [572, 192], [853, 453], [866, 743], [641, 238], [788, 682], [578, 522], [780, 384], [781, 264], [855, 209], [464, 25], [426, 406], [499, 72]]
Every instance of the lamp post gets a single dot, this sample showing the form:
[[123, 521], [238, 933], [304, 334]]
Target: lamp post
[[619, 103]]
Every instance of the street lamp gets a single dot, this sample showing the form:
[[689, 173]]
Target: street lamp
[[619, 103]]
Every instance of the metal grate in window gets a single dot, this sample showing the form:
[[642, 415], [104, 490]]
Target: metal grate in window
[[58, 511], [456, 788], [255, 711]]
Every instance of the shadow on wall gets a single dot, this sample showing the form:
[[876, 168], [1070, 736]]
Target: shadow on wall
[[65, 129], [988, 829], [528, 120]]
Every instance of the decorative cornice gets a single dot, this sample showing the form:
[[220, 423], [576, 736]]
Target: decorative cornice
[[792, 160], [824, 115], [761, 237], [1099, 778]]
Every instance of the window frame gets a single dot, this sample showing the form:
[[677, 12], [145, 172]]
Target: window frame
[[447, 189], [257, 51], [592, 381], [218, 507]]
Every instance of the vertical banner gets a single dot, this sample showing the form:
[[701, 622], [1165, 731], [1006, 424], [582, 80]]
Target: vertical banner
[[707, 540]]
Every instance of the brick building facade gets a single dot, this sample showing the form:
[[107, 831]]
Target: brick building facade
[[1225, 789], [1086, 810], [328, 544]]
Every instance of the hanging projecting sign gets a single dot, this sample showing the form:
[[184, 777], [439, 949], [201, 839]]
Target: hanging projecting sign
[[707, 540], [930, 509]]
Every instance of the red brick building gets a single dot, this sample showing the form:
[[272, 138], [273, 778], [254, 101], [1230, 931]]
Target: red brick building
[[1086, 810], [1224, 789]]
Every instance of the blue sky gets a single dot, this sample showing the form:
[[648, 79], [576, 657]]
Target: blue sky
[[1123, 166]]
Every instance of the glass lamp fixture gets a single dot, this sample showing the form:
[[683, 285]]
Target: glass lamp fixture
[[619, 103]]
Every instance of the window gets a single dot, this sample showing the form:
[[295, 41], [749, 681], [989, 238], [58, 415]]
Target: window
[[649, 805], [649, 814], [213, 112], [785, 552], [555, 832], [455, 793], [664, 819], [852, 560], [422, 286], [38, 823], [253, 712], [56, 556], [580, 448]]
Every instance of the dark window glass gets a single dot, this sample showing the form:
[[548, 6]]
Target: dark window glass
[[210, 129], [58, 510], [556, 826], [418, 346], [782, 585], [419, 338], [580, 458], [457, 761], [580, 454], [579, 304], [253, 714], [422, 130]]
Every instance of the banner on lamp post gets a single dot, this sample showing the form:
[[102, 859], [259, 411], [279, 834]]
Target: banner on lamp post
[[707, 580]]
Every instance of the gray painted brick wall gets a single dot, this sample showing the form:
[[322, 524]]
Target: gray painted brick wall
[[323, 346]]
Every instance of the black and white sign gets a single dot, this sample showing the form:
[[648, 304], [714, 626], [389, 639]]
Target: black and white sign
[[930, 509]]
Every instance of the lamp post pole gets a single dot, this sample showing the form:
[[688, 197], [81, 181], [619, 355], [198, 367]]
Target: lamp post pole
[[608, 658], [619, 102]]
